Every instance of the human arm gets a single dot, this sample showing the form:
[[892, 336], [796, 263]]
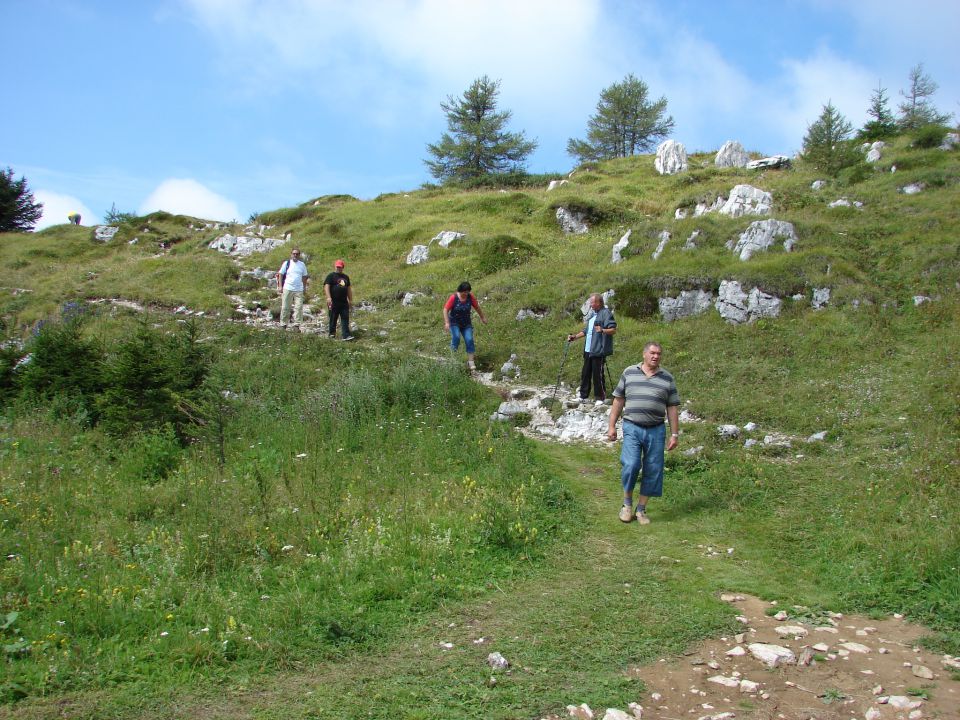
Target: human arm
[[674, 417], [476, 306], [615, 410], [326, 291], [350, 295]]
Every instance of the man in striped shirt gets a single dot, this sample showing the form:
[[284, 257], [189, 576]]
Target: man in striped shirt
[[645, 395]]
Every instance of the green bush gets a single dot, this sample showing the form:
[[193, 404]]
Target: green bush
[[929, 136], [501, 252], [62, 363], [151, 455]]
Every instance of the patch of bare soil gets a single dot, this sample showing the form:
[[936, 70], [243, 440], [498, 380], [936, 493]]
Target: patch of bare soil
[[842, 667]]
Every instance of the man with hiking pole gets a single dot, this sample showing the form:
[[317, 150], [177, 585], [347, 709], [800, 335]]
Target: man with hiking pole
[[645, 396], [598, 331]]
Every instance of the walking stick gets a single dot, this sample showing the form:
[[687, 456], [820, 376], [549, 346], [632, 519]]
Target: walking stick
[[556, 387]]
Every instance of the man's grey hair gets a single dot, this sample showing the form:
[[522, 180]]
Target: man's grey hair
[[653, 343], [598, 296]]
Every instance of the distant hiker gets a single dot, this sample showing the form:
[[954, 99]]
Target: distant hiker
[[339, 300], [645, 395], [292, 280], [457, 322], [599, 329], [74, 218]]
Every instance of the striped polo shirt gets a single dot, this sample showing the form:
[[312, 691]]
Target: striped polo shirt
[[647, 398]]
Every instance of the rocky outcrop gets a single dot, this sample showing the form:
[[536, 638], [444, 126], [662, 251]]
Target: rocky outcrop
[[572, 223], [443, 239], [747, 200], [774, 161], [555, 184], [621, 245], [419, 254], [821, 298], [245, 245], [671, 158], [687, 304], [873, 151], [104, 233], [731, 154], [762, 234], [737, 306], [664, 239]]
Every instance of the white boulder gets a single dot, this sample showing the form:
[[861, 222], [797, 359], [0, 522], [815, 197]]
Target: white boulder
[[760, 235], [664, 239], [774, 161], [747, 200], [687, 304], [731, 154], [737, 306], [419, 254], [671, 158], [443, 239], [572, 223], [772, 655], [621, 245]]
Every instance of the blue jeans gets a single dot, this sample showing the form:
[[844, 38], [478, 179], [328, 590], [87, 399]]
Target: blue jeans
[[467, 333], [642, 454]]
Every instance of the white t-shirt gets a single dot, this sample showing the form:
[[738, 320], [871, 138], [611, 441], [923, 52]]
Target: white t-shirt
[[296, 272]]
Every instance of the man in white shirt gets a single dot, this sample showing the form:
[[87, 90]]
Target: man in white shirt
[[292, 282]]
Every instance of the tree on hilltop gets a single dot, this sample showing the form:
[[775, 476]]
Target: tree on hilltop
[[477, 143], [18, 211], [626, 122], [883, 124], [826, 145], [916, 110]]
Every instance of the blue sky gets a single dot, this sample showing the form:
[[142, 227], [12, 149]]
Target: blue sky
[[223, 108]]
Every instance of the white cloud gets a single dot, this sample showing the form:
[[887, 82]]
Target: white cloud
[[56, 207], [188, 197]]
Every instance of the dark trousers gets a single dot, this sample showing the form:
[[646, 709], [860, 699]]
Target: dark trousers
[[592, 370], [342, 312]]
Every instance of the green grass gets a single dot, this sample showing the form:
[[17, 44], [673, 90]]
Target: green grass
[[409, 520]]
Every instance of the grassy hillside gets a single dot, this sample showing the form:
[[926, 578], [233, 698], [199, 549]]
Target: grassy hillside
[[401, 505]]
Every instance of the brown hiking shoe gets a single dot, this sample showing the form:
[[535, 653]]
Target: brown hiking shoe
[[626, 514]]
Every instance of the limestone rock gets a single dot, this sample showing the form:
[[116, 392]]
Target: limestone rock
[[664, 239], [687, 304], [747, 200], [691, 243], [818, 184], [774, 161], [527, 314], [245, 245], [419, 254], [730, 682], [790, 630], [761, 234], [410, 297], [913, 188], [772, 655], [671, 158], [444, 238], [555, 184], [921, 671], [873, 153], [104, 233], [572, 223], [821, 297], [728, 431], [510, 369], [616, 714], [737, 306], [855, 647], [731, 154], [621, 245], [950, 141], [703, 208], [497, 661]]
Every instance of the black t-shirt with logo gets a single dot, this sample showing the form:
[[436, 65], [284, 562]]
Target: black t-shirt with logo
[[338, 283]]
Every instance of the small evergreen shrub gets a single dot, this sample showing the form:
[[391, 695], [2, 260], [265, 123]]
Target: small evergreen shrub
[[501, 252], [929, 136], [62, 363]]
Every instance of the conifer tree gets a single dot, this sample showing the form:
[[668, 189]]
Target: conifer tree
[[883, 124], [916, 110], [626, 122], [477, 142], [826, 145], [18, 211]]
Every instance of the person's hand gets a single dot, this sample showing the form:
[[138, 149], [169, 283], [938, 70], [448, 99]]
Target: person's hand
[[673, 442], [597, 328], [329, 303], [612, 435], [569, 337], [446, 326], [484, 320]]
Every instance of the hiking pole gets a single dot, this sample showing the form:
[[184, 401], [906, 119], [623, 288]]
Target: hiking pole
[[566, 347]]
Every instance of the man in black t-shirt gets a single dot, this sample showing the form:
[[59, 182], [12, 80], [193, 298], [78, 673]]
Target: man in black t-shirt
[[339, 300]]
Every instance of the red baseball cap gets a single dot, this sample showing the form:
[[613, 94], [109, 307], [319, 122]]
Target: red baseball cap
[[338, 263]]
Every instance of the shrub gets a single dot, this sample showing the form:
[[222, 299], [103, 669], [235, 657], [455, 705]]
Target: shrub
[[501, 252], [636, 299], [62, 363], [929, 136], [152, 455]]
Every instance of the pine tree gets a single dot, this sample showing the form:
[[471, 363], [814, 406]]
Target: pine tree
[[826, 145], [18, 211], [916, 110], [477, 143], [883, 124], [626, 122]]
